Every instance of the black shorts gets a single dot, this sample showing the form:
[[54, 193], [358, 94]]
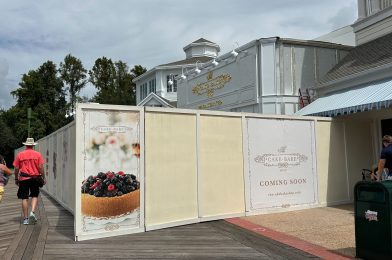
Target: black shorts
[[28, 188]]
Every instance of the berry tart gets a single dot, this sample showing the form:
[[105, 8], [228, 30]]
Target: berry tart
[[110, 194]]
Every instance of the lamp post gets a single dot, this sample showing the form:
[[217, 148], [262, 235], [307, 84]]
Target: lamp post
[[28, 118], [171, 81], [197, 70]]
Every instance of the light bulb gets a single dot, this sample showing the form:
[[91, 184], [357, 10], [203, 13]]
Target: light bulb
[[234, 53]]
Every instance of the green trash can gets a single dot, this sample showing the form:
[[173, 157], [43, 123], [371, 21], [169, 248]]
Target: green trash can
[[373, 223]]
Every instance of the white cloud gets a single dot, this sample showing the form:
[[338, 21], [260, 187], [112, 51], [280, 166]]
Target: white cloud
[[149, 32]]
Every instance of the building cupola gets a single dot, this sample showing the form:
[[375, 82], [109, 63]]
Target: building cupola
[[201, 48]]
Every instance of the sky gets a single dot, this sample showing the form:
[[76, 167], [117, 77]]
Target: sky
[[147, 32]]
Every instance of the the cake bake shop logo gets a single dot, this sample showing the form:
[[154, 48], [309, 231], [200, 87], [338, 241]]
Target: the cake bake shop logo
[[282, 159], [112, 129], [371, 215]]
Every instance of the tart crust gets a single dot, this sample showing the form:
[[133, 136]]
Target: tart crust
[[110, 206]]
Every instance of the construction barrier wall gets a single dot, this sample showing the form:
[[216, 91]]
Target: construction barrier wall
[[58, 151], [196, 165]]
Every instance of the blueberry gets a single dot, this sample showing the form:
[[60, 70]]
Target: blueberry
[[119, 193], [98, 193], [133, 177]]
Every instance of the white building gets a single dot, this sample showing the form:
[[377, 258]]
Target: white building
[[158, 86], [358, 89], [344, 35], [262, 76]]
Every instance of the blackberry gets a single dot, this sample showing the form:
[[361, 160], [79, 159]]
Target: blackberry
[[101, 175], [110, 184], [90, 179]]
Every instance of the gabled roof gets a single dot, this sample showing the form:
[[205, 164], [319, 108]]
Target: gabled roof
[[163, 101], [203, 40], [362, 58]]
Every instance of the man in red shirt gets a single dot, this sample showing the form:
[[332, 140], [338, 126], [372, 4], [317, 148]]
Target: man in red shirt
[[29, 164]]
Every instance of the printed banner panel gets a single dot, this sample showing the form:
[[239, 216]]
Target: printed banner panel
[[281, 158], [110, 172]]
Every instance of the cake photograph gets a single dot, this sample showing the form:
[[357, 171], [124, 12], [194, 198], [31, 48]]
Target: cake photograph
[[110, 185], [110, 195]]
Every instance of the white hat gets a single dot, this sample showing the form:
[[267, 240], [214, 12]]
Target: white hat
[[29, 142]]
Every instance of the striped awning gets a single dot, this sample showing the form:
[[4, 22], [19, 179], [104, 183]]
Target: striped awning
[[375, 95]]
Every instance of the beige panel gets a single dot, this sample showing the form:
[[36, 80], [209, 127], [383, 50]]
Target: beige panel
[[171, 168], [331, 162], [221, 166], [359, 150]]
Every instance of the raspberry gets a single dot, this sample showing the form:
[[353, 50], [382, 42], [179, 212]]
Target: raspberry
[[111, 187]]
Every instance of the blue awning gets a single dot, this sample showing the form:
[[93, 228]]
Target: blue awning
[[375, 95]]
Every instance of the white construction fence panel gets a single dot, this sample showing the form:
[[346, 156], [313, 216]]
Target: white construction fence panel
[[282, 164]]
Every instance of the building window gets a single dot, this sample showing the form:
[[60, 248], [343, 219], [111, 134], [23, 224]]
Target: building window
[[173, 87], [369, 8], [143, 91], [386, 4], [152, 86]]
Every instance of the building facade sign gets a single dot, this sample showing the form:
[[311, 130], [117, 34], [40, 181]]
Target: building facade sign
[[230, 85]]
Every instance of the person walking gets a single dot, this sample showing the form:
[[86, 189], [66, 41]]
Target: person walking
[[384, 170], [29, 164], [4, 176]]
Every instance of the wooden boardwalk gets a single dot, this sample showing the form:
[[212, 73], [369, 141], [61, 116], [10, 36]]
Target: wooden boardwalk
[[52, 238]]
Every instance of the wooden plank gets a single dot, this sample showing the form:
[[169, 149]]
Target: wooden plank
[[11, 231], [41, 240], [53, 238]]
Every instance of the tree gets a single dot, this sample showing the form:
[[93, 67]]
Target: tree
[[102, 76], [123, 85], [41, 90], [8, 140], [114, 82], [74, 76], [137, 70]]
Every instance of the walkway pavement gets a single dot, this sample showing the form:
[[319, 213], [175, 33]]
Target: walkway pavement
[[273, 236], [325, 232]]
